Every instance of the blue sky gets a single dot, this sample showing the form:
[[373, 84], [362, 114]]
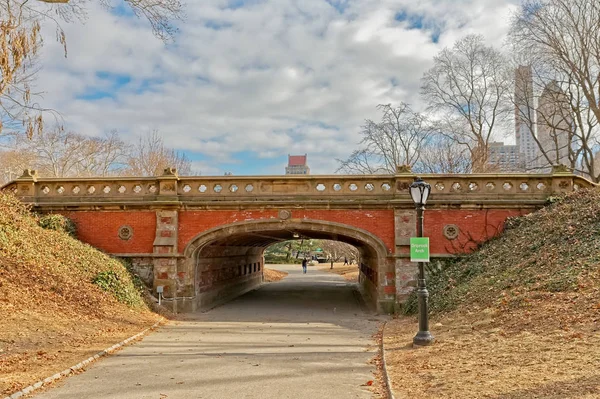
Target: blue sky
[[247, 82]]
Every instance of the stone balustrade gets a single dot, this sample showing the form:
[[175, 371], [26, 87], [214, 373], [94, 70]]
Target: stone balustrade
[[194, 189]]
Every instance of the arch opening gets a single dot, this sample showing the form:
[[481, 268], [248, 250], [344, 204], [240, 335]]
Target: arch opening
[[228, 261]]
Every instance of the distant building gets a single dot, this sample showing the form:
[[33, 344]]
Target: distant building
[[297, 165], [525, 117], [554, 126], [505, 157]]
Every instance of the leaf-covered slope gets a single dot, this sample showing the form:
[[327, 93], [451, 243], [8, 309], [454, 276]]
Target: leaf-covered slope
[[49, 270], [550, 256], [60, 299]]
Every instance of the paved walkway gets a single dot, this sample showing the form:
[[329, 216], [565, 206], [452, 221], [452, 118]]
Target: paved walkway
[[303, 337]]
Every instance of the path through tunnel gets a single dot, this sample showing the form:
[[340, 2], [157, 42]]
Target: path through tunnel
[[229, 261]]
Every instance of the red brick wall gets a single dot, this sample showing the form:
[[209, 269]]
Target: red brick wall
[[101, 230], [474, 225], [378, 222]]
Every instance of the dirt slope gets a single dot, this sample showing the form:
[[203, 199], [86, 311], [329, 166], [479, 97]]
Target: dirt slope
[[520, 318], [52, 313]]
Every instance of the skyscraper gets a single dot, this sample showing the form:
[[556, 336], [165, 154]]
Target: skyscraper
[[525, 117], [554, 125]]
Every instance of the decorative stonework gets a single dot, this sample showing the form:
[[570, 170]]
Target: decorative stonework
[[284, 214], [451, 231], [125, 232], [168, 187]]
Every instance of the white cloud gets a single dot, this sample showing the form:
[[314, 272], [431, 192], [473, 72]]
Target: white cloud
[[269, 78]]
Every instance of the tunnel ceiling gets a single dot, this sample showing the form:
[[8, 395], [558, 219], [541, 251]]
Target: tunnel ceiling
[[266, 238]]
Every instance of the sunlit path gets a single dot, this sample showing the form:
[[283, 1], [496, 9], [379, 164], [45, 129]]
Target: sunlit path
[[307, 336]]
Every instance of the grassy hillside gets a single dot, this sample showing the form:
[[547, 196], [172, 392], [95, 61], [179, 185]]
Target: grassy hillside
[[60, 299], [519, 318]]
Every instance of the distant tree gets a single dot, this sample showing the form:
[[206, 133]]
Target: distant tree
[[468, 92], [397, 139], [337, 250], [149, 157], [59, 153]]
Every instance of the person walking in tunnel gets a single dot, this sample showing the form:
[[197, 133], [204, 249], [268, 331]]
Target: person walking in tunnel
[[345, 261], [304, 263]]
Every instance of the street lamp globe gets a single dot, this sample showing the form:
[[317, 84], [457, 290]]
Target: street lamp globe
[[419, 191]]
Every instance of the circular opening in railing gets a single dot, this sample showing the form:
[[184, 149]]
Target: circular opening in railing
[[440, 186], [122, 189], [106, 189], [91, 189], [218, 188], [456, 186], [320, 187], [386, 187], [353, 187], [202, 188], [187, 188], [507, 186], [45, 189], [337, 187], [473, 186], [233, 188], [249, 187], [152, 188], [137, 189], [76, 190], [125, 232], [541, 186], [524, 186], [490, 186], [451, 231], [369, 186], [60, 189]]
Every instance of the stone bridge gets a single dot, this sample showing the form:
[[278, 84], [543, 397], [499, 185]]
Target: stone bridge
[[203, 238]]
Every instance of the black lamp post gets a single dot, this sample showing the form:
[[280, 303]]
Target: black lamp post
[[419, 191]]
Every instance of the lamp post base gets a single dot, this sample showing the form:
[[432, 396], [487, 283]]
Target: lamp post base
[[423, 338]]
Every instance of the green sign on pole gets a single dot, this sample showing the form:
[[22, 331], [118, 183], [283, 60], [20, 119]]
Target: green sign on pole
[[419, 249]]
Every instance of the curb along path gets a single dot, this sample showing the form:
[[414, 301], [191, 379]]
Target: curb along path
[[80, 365], [386, 377]]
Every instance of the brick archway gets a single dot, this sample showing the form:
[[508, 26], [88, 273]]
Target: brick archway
[[227, 261]]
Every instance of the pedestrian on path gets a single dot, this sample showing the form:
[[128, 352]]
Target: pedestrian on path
[[304, 262], [345, 261]]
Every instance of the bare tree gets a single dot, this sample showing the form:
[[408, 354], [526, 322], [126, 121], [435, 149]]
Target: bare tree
[[562, 37], [149, 157], [337, 250], [396, 140], [58, 153], [441, 155], [468, 91]]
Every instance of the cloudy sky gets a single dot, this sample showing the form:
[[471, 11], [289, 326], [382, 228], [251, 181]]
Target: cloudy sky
[[247, 82]]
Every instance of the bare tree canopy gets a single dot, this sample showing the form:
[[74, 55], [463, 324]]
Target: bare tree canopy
[[150, 156], [397, 140], [468, 91], [20, 41], [560, 39], [59, 153]]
